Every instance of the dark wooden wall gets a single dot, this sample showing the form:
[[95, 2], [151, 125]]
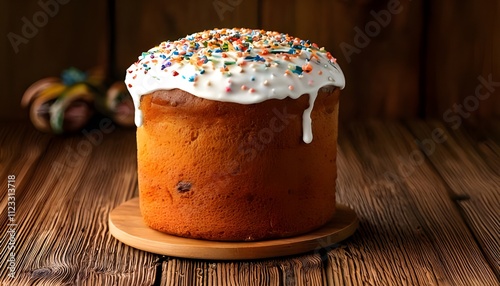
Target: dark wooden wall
[[425, 61]]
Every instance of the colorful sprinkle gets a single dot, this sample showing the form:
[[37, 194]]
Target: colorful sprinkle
[[212, 63], [307, 68], [296, 69], [265, 56]]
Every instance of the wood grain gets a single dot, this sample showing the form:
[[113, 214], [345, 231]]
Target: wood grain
[[471, 49], [62, 237], [407, 70], [382, 76], [75, 36], [296, 270], [156, 21], [20, 150], [420, 237], [411, 233], [470, 167], [433, 224], [126, 224]]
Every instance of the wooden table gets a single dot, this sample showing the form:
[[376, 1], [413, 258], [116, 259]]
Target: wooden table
[[428, 199]]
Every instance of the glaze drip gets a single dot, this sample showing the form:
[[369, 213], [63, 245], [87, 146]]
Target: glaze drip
[[236, 65]]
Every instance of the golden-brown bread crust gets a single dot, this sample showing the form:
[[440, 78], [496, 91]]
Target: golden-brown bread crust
[[226, 171]]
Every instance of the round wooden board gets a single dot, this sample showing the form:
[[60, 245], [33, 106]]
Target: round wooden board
[[126, 225]]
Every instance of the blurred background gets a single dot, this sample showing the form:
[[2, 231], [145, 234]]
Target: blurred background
[[402, 59]]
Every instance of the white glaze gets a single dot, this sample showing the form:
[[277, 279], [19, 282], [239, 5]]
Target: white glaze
[[247, 81]]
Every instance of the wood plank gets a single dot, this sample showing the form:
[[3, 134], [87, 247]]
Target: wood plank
[[469, 163], [21, 147], [394, 46], [127, 225], [294, 270], [395, 244], [308, 270], [156, 21], [483, 142], [493, 130], [411, 232], [459, 160], [62, 234], [471, 49], [69, 35], [397, 44]]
